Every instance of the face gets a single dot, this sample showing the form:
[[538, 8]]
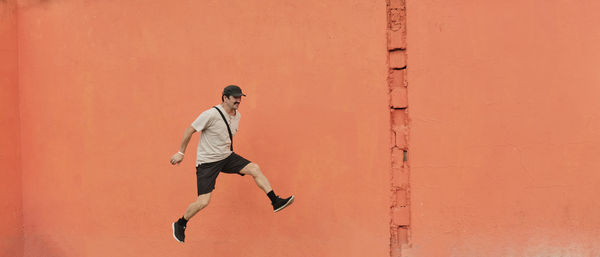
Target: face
[[233, 102]]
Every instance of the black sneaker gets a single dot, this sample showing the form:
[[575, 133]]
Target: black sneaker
[[280, 203], [178, 232]]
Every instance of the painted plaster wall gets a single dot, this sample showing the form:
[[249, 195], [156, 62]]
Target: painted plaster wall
[[11, 216], [505, 131], [107, 89]]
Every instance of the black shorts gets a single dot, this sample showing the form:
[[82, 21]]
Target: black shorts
[[206, 173]]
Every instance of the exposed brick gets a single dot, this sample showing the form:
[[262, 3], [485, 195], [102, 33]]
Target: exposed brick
[[395, 19], [400, 129], [399, 97], [398, 240], [396, 39], [397, 78], [395, 248], [397, 3], [400, 216], [400, 178], [397, 45], [397, 59], [401, 139], [401, 197], [402, 235], [397, 160], [399, 118], [395, 242]]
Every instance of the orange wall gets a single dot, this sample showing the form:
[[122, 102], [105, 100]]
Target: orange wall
[[505, 131], [503, 127], [11, 216], [108, 87]]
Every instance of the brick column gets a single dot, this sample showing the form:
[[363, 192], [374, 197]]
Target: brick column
[[400, 200]]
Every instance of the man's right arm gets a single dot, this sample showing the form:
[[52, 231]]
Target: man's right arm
[[187, 135]]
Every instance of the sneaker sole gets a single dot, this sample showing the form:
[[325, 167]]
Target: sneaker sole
[[285, 205], [173, 226]]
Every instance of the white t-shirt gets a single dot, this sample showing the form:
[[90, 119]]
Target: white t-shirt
[[214, 144]]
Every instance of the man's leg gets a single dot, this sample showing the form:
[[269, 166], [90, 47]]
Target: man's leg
[[262, 182], [196, 206], [180, 225]]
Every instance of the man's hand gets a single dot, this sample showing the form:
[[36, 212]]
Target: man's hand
[[176, 158]]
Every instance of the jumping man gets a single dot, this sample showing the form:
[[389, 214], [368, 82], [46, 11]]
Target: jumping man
[[215, 154]]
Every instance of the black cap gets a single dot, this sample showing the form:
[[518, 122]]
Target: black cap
[[233, 90]]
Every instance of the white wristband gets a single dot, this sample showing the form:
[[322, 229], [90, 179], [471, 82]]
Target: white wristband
[[181, 153]]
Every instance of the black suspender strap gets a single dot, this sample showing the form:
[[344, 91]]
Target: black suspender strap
[[228, 129]]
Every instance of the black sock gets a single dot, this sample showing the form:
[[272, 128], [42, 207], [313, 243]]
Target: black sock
[[182, 221], [272, 196]]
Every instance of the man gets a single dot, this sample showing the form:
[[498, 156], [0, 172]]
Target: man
[[215, 154]]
